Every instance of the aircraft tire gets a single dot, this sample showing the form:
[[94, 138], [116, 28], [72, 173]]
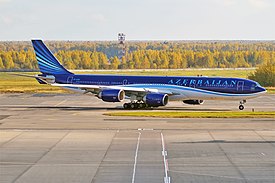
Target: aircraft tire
[[241, 107], [126, 106], [133, 106], [140, 105]]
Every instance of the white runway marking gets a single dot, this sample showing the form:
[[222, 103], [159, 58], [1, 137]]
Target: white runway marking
[[135, 164], [165, 162], [60, 103]]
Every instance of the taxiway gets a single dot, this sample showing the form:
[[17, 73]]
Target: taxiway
[[66, 138]]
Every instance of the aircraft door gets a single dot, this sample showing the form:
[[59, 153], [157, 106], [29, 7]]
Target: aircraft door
[[70, 80], [240, 85]]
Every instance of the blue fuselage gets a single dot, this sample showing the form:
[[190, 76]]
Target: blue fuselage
[[215, 84]]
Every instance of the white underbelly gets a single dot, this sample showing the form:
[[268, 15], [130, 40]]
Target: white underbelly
[[208, 95]]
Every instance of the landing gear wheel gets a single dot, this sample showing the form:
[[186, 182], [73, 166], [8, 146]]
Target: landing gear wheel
[[144, 105], [135, 105], [132, 106], [140, 105], [126, 106], [241, 107]]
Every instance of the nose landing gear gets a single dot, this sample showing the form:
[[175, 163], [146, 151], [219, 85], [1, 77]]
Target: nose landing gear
[[241, 106]]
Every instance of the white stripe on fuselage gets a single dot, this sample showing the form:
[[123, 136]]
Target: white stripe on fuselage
[[185, 93]]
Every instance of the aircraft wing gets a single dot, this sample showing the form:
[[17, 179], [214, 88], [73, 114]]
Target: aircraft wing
[[128, 89]]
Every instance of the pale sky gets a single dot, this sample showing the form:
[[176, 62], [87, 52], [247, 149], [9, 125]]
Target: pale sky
[[138, 19]]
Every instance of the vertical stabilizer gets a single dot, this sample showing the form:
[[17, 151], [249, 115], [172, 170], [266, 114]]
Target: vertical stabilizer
[[47, 62]]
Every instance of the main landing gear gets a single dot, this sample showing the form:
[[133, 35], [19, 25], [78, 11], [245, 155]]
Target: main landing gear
[[241, 106], [135, 105]]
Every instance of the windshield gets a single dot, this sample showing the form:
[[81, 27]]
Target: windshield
[[257, 84]]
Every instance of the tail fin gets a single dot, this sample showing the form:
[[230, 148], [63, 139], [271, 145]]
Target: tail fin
[[47, 62]]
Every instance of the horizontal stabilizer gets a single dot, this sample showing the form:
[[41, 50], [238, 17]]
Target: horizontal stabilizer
[[48, 79]]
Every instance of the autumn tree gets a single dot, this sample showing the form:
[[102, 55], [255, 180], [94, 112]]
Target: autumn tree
[[94, 60], [7, 61], [114, 63], [145, 63], [265, 74], [1, 64], [103, 61], [136, 60]]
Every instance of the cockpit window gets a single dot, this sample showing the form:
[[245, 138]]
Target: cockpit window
[[257, 84]]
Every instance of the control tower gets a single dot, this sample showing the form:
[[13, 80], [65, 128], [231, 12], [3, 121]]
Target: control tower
[[122, 46]]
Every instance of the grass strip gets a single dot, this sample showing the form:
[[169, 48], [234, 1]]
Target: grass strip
[[270, 90], [163, 114]]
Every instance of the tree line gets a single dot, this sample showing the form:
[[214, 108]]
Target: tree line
[[143, 54]]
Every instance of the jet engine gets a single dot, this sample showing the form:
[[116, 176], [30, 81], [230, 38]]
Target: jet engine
[[111, 95], [193, 102], [156, 99]]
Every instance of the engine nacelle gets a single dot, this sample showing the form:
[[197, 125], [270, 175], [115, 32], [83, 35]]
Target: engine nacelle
[[156, 99], [193, 102], [111, 95]]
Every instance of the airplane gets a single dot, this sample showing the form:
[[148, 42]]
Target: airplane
[[144, 91]]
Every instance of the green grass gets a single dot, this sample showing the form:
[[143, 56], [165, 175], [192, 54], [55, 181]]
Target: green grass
[[16, 84], [162, 114], [270, 90]]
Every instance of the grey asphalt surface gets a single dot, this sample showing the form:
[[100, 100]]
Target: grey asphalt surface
[[65, 138]]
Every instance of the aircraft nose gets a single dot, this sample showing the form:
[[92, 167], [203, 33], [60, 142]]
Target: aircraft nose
[[261, 89]]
